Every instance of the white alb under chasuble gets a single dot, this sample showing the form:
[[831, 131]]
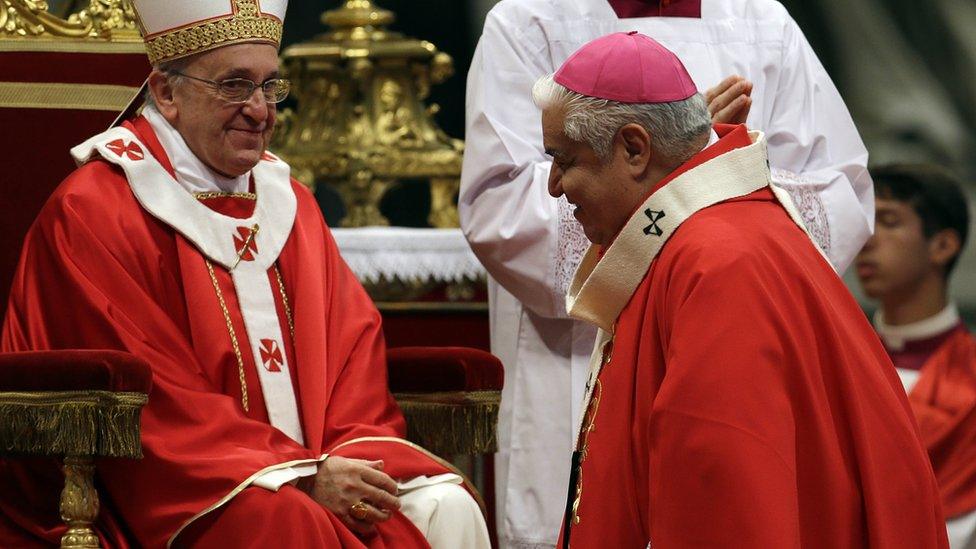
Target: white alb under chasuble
[[247, 248]]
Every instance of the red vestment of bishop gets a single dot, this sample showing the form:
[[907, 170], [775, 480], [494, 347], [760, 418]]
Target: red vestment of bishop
[[743, 400], [99, 272], [944, 402]]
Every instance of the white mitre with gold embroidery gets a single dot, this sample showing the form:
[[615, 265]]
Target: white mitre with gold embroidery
[[177, 28]]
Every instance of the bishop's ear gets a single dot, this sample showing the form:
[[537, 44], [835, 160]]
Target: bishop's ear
[[635, 144], [161, 88], [943, 246]]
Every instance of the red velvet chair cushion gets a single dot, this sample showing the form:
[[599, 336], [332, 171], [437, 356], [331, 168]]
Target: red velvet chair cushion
[[81, 370], [436, 369]]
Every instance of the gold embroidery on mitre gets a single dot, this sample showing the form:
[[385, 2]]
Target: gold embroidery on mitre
[[246, 24]]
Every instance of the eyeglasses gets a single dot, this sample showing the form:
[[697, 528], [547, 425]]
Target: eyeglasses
[[239, 90]]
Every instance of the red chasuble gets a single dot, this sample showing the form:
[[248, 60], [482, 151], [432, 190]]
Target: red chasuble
[[99, 272], [743, 399], [944, 401]]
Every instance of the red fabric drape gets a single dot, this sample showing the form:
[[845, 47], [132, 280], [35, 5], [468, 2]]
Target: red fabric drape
[[944, 402]]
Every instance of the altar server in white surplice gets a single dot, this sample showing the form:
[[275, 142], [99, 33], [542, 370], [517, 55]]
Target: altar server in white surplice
[[532, 244]]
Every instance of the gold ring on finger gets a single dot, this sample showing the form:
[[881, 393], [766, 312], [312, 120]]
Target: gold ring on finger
[[359, 511]]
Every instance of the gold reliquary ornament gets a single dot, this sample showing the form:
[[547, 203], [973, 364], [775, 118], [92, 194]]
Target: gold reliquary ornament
[[107, 19], [360, 124]]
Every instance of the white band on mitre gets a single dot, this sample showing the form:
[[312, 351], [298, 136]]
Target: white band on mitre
[[177, 28]]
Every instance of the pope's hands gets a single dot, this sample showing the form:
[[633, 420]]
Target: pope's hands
[[729, 102], [341, 483]]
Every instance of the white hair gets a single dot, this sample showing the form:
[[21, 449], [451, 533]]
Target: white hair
[[167, 67], [675, 128]]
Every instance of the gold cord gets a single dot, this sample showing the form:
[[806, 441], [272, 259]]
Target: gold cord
[[216, 194], [284, 301], [233, 336], [589, 420]]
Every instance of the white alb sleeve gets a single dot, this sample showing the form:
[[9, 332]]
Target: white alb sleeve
[[817, 154], [274, 480], [529, 242]]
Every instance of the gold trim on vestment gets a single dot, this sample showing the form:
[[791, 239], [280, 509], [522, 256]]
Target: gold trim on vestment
[[233, 336], [240, 488], [246, 24], [233, 333], [54, 95], [441, 461], [589, 426], [217, 194]]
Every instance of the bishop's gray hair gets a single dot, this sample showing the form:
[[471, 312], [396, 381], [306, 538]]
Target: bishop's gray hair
[[167, 67], [675, 128]]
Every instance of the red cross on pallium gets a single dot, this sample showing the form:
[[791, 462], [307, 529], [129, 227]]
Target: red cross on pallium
[[130, 149], [242, 238], [270, 355]]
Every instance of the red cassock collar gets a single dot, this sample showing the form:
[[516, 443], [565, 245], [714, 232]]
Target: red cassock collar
[[656, 8], [731, 137]]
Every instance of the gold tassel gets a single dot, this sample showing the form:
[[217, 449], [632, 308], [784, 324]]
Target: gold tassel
[[452, 423], [79, 423]]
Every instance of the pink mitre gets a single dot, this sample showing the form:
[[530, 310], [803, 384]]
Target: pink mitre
[[628, 67]]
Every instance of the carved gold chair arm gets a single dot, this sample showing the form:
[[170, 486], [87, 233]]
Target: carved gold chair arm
[[76, 405], [77, 425]]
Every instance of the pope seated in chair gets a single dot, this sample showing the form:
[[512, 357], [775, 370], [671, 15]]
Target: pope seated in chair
[[182, 240]]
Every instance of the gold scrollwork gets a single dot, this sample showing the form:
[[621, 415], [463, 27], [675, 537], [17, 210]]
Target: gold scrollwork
[[113, 19], [361, 124], [31, 18], [110, 17], [247, 24], [79, 503]]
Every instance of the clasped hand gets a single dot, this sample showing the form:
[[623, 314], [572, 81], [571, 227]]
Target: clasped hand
[[730, 101], [342, 482]]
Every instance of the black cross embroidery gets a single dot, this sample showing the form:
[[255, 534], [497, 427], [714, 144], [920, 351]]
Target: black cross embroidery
[[654, 216]]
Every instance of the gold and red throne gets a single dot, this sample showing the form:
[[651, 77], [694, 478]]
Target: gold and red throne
[[63, 80]]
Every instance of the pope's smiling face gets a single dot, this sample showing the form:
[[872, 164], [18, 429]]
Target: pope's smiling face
[[229, 138], [603, 193]]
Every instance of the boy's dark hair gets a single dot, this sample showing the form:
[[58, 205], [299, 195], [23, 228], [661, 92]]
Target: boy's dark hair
[[933, 192]]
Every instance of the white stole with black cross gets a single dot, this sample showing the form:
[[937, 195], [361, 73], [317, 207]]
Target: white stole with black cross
[[247, 248], [602, 286]]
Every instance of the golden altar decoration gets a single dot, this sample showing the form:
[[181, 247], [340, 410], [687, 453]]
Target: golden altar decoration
[[108, 19], [360, 124]]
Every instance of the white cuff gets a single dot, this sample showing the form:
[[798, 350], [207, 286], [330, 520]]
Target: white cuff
[[273, 480], [424, 481]]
